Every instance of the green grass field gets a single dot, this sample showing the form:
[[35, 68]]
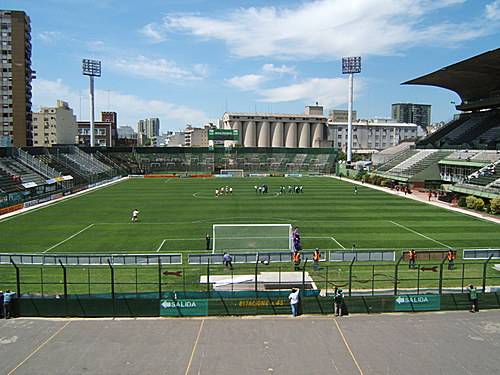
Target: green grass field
[[176, 213]]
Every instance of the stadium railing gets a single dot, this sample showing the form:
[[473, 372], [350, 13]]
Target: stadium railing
[[117, 259]]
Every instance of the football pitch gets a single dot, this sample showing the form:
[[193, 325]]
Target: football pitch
[[177, 213]]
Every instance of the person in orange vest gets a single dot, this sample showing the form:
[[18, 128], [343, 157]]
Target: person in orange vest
[[296, 260], [412, 254], [316, 258], [451, 258]]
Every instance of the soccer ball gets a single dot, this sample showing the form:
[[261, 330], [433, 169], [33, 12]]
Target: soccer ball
[[265, 262]]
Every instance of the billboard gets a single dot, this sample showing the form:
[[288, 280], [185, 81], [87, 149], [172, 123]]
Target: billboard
[[223, 134]]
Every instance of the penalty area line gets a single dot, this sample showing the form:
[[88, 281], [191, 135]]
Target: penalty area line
[[420, 234], [338, 243], [162, 242], [69, 238]]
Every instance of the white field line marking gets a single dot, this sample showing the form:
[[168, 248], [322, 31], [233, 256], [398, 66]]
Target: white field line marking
[[420, 234], [69, 238], [161, 245], [168, 179], [338, 243]]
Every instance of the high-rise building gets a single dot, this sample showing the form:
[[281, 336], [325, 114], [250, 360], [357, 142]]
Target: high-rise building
[[419, 114], [16, 76], [55, 126], [147, 129]]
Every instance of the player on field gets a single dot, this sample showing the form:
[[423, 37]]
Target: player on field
[[135, 214]]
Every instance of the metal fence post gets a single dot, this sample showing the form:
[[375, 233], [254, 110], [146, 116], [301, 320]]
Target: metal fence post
[[256, 281], [441, 276], [350, 275], [484, 272], [159, 278], [112, 286], [65, 280], [208, 279], [18, 277], [396, 274]]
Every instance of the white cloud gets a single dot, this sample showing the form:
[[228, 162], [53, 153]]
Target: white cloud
[[330, 92], [493, 11], [330, 29], [159, 69], [153, 32], [283, 69], [50, 36], [248, 82], [130, 108]]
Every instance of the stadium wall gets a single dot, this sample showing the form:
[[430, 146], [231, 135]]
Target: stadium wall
[[265, 304]]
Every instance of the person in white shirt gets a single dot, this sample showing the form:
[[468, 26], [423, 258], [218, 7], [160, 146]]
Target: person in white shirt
[[135, 213], [294, 301]]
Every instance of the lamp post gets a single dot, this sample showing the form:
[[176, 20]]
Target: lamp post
[[350, 65], [91, 68]]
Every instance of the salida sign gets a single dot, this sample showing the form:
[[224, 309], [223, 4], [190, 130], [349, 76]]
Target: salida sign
[[417, 302], [184, 307]]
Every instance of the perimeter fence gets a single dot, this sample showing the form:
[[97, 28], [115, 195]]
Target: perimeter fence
[[165, 280]]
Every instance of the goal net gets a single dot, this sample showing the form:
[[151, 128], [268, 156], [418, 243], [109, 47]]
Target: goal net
[[252, 237], [232, 172]]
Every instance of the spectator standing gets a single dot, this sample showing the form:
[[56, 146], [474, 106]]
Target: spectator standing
[[471, 289], [451, 259], [294, 301], [338, 300], [228, 261], [296, 260], [412, 255], [207, 240], [7, 304], [316, 258]]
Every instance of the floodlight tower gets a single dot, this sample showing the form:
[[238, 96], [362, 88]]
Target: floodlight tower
[[91, 68], [350, 65]]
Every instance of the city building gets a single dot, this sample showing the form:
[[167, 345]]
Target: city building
[[16, 76], [370, 135], [55, 126], [147, 129], [278, 130], [419, 114], [105, 130], [127, 137], [197, 136]]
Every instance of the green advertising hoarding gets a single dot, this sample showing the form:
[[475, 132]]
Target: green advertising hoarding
[[223, 134], [415, 302], [184, 307]]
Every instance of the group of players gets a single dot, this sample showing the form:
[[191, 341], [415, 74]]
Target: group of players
[[228, 190]]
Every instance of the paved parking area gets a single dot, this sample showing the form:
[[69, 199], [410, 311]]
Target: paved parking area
[[408, 343]]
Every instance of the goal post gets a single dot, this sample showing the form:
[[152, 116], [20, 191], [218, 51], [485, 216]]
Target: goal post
[[251, 237], [233, 172]]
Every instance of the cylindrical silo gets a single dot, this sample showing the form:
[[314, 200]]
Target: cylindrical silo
[[277, 130], [304, 135], [249, 136], [316, 134], [291, 134], [263, 130]]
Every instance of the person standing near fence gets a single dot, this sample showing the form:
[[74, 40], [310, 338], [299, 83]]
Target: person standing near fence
[[412, 255], [7, 304], [296, 260], [294, 301], [451, 258], [471, 289], [338, 301], [316, 258], [228, 261]]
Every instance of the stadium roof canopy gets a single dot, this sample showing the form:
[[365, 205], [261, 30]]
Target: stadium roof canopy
[[475, 80]]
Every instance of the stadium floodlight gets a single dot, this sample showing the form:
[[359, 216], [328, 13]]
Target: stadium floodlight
[[91, 68], [350, 65]]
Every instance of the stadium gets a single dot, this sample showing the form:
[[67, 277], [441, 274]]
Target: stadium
[[71, 249]]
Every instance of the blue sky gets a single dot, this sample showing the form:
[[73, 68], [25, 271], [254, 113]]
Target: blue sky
[[189, 61]]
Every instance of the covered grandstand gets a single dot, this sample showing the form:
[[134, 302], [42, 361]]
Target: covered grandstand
[[464, 154]]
